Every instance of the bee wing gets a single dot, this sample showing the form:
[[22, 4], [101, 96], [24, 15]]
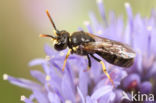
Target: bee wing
[[113, 52], [110, 47]]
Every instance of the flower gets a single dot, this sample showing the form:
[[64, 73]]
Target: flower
[[76, 86], [140, 33], [142, 74], [72, 86]]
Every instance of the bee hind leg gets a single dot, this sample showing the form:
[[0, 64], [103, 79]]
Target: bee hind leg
[[103, 68]]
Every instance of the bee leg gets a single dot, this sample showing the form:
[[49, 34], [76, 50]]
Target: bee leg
[[89, 64], [103, 68], [65, 60]]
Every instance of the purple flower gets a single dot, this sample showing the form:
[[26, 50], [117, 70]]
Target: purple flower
[[140, 33], [144, 70], [72, 86], [76, 86]]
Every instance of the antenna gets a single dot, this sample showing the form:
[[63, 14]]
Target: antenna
[[53, 24], [51, 20], [46, 35]]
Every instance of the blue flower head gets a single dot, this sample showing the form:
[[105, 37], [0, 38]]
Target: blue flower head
[[73, 86]]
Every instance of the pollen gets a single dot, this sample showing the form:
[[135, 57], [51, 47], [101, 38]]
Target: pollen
[[149, 28], [61, 53], [75, 48], [68, 101], [23, 98], [86, 22], [127, 4], [99, 1], [47, 58], [48, 78], [5, 76], [99, 32]]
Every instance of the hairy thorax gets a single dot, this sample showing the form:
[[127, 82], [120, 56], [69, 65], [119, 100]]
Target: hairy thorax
[[77, 40]]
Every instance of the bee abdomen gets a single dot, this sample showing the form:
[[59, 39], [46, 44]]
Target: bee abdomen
[[117, 60]]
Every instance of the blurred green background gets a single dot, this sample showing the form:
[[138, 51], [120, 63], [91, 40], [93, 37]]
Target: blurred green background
[[21, 22]]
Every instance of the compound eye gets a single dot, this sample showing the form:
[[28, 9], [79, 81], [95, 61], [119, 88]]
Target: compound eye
[[60, 46]]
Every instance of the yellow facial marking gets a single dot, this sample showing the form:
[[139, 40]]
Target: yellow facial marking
[[54, 31]]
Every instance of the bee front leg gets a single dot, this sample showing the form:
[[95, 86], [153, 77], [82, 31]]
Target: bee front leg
[[65, 60], [103, 68]]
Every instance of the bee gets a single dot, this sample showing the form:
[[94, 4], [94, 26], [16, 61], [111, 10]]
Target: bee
[[86, 44]]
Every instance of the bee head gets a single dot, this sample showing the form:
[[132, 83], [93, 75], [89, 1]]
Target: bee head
[[61, 37], [62, 40]]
